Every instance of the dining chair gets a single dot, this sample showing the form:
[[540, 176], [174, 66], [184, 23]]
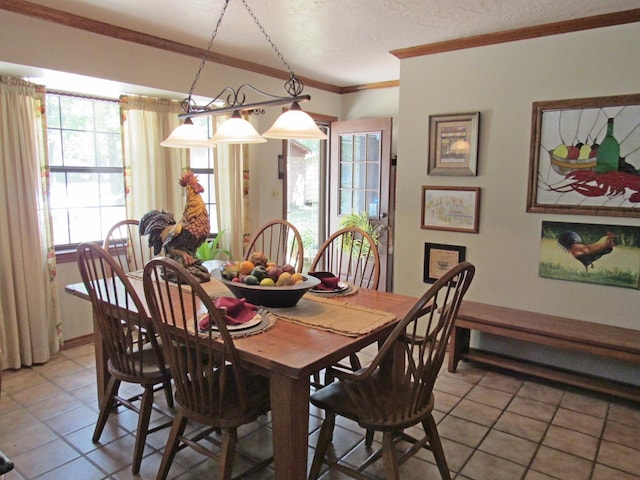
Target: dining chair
[[395, 391], [133, 357], [352, 255], [280, 242], [212, 388], [125, 244]]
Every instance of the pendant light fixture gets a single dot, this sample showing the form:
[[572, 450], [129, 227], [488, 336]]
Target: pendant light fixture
[[292, 124]]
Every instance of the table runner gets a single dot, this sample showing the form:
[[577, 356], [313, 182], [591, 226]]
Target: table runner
[[330, 314], [335, 316]]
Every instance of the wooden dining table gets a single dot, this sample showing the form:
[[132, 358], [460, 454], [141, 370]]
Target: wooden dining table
[[288, 353]]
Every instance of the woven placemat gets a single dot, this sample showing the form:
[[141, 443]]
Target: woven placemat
[[335, 316]]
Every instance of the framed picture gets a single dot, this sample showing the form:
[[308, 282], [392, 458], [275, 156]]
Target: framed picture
[[589, 253], [439, 258], [585, 156], [456, 209], [453, 144]]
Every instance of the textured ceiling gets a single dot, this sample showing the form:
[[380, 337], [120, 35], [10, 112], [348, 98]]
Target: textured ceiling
[[341, 42]]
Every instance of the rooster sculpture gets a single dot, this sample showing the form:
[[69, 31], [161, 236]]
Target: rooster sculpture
[[181, 240], [583, 252]]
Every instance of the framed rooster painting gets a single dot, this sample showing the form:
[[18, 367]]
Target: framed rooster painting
[[585, 156], [589, 253]]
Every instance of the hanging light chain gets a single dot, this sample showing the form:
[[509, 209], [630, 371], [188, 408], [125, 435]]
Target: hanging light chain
[[206, 55], [293, 86]]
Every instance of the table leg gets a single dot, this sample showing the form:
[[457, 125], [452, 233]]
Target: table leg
[[290, 422], [102, 372], [458, 344]]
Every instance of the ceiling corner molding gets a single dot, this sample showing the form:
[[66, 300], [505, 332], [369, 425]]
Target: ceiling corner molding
[[567, 26], [370, 86], [30, 9]]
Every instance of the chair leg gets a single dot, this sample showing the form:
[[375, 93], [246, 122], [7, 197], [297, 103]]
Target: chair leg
[[227, 453], [168, 393], [146, 405], [390, 457], [431, 431], [368, 439], [324, 439], [177, 430], [105, 409]]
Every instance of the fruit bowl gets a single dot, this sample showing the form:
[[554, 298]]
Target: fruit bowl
[[564, 166], [276, 297]]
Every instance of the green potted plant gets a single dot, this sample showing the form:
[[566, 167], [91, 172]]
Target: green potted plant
[[211, 250], [360, 220]]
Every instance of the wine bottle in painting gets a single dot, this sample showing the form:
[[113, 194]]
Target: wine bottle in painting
[[608, 157]]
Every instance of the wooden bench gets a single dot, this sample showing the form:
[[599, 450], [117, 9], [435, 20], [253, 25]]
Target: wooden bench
[[566, 333]]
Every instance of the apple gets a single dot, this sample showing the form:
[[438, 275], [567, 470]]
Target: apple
[[274, 272], [288, 268], [573, 152]]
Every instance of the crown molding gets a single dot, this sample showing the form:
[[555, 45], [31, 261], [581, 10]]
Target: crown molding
[[557, 28]]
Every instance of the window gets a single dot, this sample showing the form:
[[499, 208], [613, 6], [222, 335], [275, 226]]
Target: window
[[201, 163], [85, 154]]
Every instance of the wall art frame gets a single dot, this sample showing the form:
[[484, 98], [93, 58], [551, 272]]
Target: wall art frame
[[439, 258], [564, 175], [455, 209], [590, 253], [453, 144]]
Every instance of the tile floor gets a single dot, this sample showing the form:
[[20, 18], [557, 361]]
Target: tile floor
[[493, 426]]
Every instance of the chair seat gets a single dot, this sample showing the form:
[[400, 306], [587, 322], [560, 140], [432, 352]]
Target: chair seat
[[152, 375], [227, 411], [334, 397]]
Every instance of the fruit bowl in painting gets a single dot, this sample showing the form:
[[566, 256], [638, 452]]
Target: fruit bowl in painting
[[275, 297], [564, 166]]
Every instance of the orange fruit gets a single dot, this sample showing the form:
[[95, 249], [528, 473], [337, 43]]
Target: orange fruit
[[297, 277], [246, 267]]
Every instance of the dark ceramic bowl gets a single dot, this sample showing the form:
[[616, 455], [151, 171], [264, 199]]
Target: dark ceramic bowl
[[276, 297]]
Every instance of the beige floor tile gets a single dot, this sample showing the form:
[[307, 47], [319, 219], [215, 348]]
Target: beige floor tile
[[561, 465], [532, 408], [452, 386], [602, 472], [579, 422], [476, 412], [570, 441], [624, 413], [445, 402], [541, 393], [620, 457], [80, 468], [501, 382], [489, 396], [583, 403], [462, 431], [623, 434], [55, 405], [482, 466], [521, 426], [36, 393], [44, 458], [509, 447], [534, 475]]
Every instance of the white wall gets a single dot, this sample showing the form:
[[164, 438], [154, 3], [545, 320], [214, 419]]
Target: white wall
[[501, 82]]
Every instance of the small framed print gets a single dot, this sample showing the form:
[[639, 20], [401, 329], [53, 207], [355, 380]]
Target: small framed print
[[439, 259], [455, 209], [453, 144]]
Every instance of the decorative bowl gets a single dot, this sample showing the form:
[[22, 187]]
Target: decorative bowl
[[276, 297], [563, 166]]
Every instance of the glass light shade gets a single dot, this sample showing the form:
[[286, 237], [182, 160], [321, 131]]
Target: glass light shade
[[187, 135], [236, 130], [295, 124]]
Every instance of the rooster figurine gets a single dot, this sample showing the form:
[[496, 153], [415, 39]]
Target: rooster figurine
[[586, 253], [181, 240]]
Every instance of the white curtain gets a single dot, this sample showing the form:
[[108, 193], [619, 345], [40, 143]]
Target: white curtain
[[30, 327], [232, 180], [151, 171]]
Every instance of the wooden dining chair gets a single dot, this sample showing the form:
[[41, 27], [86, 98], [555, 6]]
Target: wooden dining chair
[[133, 357], [212, 388], [395, 391], [352, 255], [125, 244], [281, 243]]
